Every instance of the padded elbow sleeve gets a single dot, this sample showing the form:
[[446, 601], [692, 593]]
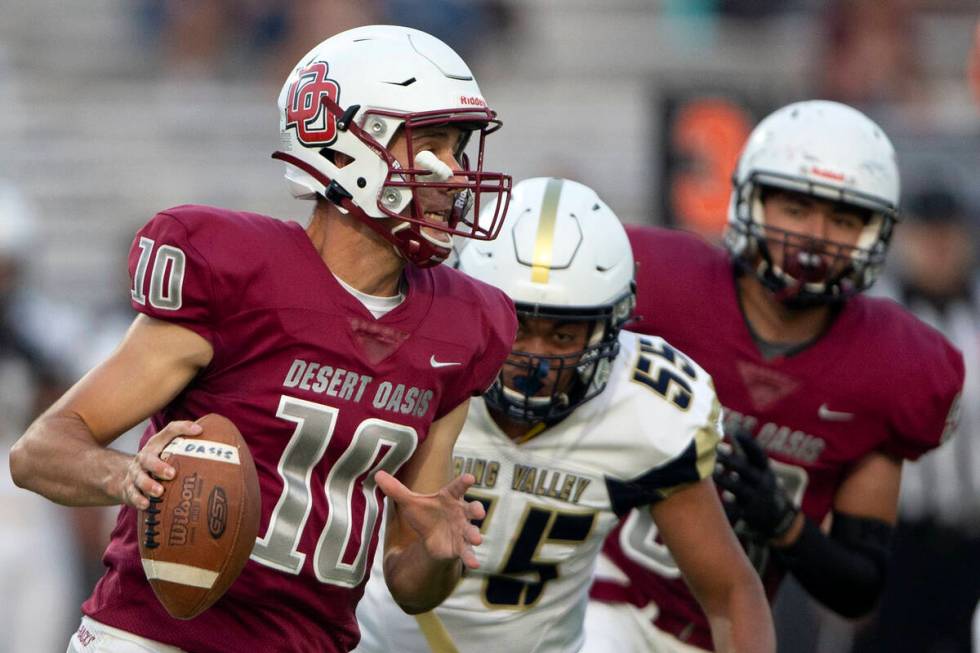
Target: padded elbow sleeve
[[845, 571]]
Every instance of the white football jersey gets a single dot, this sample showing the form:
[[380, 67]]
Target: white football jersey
[[551, 501]]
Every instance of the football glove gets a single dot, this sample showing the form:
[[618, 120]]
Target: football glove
[[753, 494]]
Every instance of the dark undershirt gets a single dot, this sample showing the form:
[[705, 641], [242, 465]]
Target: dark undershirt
[[771, 350]]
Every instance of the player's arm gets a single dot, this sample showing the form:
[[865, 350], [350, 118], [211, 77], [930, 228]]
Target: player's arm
[[63, 455], [695, 529], [428, 531], [845, 570]]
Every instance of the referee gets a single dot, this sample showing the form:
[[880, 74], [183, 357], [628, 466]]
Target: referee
[[934, 584]]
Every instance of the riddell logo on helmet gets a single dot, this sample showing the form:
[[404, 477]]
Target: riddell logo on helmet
[[472, 101], [305, 110], [828, 174]]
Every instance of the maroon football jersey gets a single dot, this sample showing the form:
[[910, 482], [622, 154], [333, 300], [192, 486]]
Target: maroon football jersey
[[877, 380], [324, 394]]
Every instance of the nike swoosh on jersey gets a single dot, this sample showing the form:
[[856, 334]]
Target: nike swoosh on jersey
[[434, 363], [833, 415]]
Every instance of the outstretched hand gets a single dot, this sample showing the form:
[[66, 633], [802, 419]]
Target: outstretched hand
[[442, 520]]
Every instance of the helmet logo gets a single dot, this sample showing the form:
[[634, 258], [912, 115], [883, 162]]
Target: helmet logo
[[829, 174], [305, 112]]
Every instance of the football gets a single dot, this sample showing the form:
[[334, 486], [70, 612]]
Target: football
[[196, 538]]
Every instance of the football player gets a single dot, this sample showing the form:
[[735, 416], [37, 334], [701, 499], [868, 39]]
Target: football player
[[345, 356], [826, 391], [584, 422]]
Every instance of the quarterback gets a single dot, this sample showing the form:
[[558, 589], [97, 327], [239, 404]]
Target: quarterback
[[584, 422], [321, 344], [826, 391]]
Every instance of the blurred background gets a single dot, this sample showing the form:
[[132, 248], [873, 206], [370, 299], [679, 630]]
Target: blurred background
[[111, 110]]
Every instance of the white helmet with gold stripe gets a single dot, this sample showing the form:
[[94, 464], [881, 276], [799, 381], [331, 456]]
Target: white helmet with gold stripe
[[563, 255]]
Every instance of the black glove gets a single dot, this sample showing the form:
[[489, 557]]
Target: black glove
[[757, 497]]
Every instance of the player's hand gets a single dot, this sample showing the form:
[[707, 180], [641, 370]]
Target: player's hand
[[139, 484], [441, 520], [754, 494]]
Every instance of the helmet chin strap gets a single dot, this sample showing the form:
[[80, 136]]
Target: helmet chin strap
[[417, 246], [794, 294], [409, 239], [804, 281]]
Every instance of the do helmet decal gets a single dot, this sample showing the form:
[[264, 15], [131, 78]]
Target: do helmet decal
[[305, 110]]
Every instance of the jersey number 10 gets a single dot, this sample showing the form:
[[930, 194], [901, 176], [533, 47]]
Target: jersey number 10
[[166, 279], [340, 557]]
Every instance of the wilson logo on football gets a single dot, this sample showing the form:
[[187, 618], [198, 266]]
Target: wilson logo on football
[[305, 112], [185, 511]]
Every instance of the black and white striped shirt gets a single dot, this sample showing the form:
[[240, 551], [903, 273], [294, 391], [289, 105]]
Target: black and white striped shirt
[[944, 485]]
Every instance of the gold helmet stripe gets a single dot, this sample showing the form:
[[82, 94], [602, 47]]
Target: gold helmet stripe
[[544, 244]]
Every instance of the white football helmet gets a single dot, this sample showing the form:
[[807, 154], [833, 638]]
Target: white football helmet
[[563, 255], [829, 151], [352, 94]]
